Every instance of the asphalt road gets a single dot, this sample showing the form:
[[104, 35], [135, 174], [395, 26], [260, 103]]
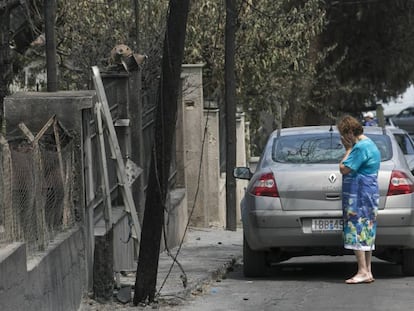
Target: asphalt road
[[313, 283]]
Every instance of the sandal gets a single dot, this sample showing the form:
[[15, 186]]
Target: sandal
[[360, 280], [371, 277]]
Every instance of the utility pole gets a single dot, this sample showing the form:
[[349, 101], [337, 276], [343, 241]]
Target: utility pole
[[230, 102], [51, 67], [173, 51]]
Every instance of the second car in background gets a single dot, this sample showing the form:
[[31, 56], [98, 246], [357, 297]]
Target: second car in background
[[405, 120], [406, 144]]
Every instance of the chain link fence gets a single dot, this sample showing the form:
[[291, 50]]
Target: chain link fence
[[36, 187]]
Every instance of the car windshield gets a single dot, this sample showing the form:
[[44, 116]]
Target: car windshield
[[319, 148]]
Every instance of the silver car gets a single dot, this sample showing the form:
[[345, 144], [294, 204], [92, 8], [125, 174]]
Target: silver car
[[405, 119], [293, 206]]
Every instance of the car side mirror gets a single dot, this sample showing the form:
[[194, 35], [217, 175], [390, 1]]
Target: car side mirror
[[242, 173]]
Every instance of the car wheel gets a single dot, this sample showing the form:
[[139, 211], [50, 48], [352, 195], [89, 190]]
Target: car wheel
[[254, 262], [408, 262]]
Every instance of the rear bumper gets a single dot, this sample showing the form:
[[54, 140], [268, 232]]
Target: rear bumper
[[265, 230], [395, 236]]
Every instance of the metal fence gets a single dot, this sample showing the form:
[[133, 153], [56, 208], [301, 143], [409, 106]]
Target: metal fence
[[36, 186]]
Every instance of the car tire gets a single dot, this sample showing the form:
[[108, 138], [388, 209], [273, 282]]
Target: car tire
[[254, 262], [408, 262]]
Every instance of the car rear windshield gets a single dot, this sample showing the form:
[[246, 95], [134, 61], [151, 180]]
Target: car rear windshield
[[320, 148]]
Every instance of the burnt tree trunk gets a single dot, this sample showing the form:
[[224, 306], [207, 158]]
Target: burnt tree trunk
[[51, 63], [5, 57], [173, 50]]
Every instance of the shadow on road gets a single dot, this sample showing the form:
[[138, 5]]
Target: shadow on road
[[321, 268]]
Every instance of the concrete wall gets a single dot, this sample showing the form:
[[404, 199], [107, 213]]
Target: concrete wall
[[35, 109], [56, 279], [53, 280], [13, 276]]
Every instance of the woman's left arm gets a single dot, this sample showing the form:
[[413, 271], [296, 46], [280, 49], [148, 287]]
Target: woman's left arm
[[342, 168], [347, 141]]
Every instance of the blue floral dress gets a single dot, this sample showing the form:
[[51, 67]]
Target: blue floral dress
[[360, 196]]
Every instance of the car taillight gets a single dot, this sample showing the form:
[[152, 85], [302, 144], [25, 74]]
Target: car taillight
[[265, 185], [400, 184]]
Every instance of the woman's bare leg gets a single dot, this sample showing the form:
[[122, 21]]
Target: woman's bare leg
[[363, 275], [368, 259], [362, 263]]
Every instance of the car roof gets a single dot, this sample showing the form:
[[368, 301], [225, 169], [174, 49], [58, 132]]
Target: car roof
[[323, 128]]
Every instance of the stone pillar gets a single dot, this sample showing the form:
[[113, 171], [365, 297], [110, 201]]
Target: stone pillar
[[240, 160], [215, 211], [192, 99]]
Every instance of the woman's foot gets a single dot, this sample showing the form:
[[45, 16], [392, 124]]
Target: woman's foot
[[360, 278]]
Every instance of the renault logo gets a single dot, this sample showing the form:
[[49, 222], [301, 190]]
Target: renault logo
[[332, 178]]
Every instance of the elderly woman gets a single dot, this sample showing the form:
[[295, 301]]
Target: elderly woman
[[360, 195]]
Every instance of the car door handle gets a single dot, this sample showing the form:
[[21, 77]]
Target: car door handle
[[333, 196]]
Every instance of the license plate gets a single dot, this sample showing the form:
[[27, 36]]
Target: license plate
[[327, 224]]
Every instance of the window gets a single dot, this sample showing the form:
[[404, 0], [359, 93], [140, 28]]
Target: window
[[406, 113], [319, 148], [308, 148]]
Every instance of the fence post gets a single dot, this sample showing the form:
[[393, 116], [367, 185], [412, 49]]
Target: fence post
[[11, 221]]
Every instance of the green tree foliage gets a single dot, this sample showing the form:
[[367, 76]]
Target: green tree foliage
[[373, 55], [307, 59], [275, 62], [205, 42], [87, 31], [276, 55]]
